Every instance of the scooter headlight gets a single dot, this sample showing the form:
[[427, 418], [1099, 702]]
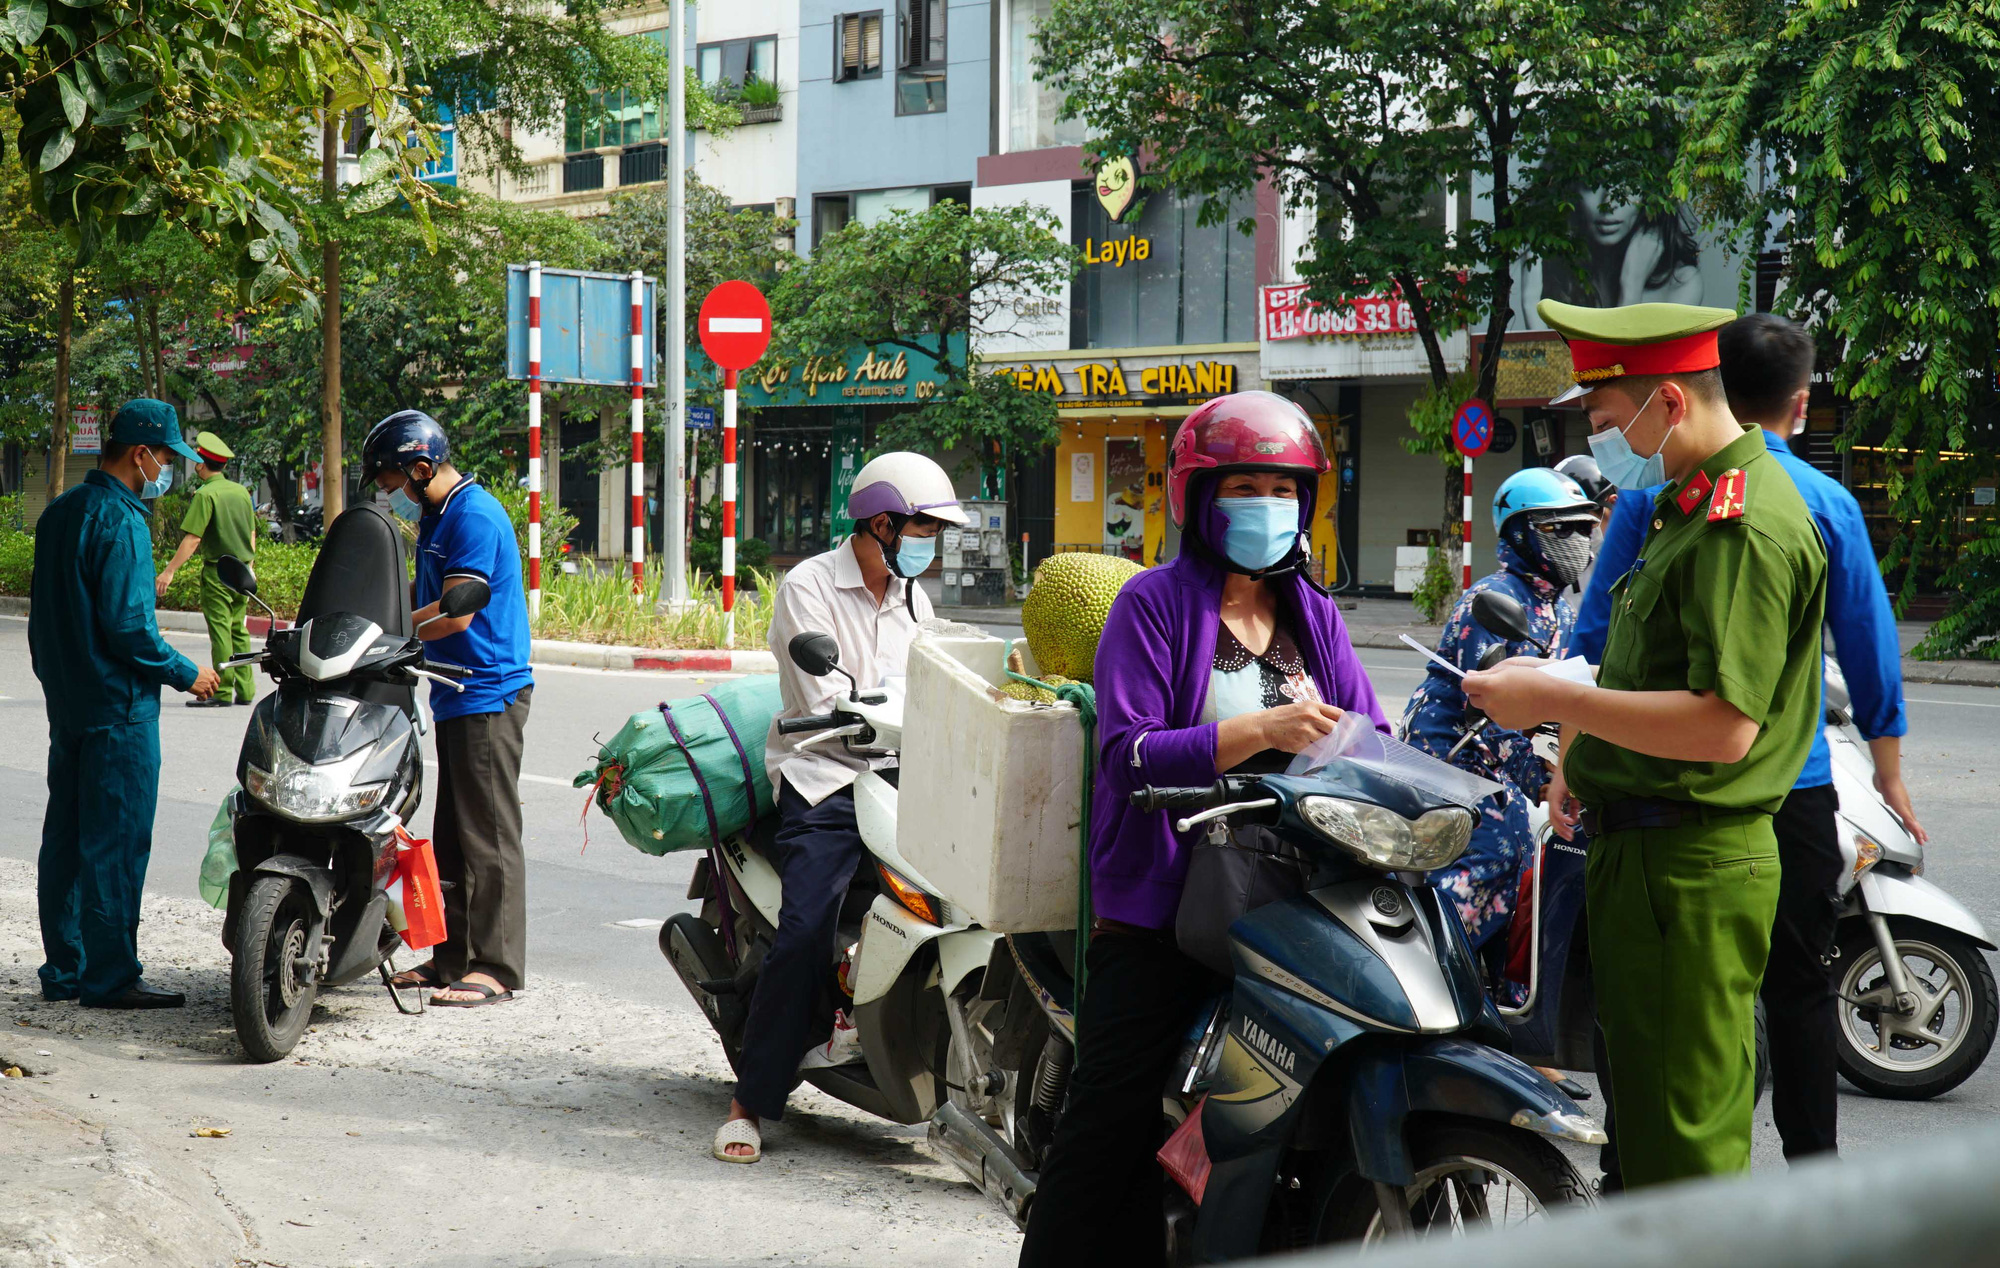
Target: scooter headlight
[[1385, 838], [313, 794]]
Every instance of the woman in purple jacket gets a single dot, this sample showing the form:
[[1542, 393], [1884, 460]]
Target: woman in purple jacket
[[1227, 659]]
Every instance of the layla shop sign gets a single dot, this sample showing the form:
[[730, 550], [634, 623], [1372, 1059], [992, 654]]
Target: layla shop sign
[[1117, 252], [877, 375], [1126, 382]]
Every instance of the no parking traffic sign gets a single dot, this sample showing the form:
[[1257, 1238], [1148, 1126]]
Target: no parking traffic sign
[[1472, 428]]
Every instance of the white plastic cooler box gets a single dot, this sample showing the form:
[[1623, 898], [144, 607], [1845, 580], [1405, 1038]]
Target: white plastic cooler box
[[989, 802]]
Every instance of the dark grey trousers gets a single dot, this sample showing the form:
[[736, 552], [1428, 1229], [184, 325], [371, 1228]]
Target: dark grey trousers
[[476, 834]]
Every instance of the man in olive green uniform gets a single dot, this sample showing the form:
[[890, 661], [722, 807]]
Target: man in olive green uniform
[[221, 520], [1701, 719]]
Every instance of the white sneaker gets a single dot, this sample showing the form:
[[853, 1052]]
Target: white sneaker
[[843, 1048]]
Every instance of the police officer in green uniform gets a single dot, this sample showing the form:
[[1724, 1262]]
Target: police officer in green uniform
[[1701, 719], [98, 652], [221, 520]]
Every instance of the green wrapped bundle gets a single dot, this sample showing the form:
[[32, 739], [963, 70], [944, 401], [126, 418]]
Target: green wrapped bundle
[[683, 775]]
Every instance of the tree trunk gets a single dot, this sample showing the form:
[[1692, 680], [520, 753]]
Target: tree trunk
[[58, 474], [331, 484], [159, 354]]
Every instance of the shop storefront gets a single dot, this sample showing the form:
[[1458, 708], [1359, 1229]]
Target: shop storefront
[[806, 426], [1119, 411]]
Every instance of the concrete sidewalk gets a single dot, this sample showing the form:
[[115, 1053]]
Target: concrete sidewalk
[[1378, 623]]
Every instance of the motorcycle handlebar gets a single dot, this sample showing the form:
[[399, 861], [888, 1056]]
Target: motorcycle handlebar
[[1151, 799], [814, 722], [458, 672]]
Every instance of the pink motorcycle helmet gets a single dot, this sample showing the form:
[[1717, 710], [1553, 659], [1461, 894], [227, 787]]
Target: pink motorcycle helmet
[[1245, 431]]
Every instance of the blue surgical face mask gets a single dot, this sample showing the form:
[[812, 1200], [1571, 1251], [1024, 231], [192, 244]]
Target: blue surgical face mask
[[159, 484], [1261, 531], [404, 505], [1617, 462], [914, 554]]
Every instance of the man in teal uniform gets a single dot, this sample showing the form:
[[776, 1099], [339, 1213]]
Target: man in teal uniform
[[98, 652], [1701, 719]]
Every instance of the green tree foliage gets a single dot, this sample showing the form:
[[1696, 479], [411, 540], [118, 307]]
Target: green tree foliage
[[1882, 124], [521, 65], [421, 329], [197, 111], [1367, 113], [923, 281]]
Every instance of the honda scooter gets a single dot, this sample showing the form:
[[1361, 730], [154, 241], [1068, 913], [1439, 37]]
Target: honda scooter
[[909, 949], [1353, 1085], [331, 767], [1915, 1021]]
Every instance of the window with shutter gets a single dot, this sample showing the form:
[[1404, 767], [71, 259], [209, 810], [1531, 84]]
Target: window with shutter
[[857, 40]]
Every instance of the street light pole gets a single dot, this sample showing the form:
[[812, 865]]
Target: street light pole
[[673, 479]]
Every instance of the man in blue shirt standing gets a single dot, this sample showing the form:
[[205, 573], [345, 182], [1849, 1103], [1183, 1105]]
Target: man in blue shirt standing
[[97, 650], [463, 534], [1767, 365]]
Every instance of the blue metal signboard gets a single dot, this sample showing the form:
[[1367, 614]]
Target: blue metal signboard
[[586, 327], [701, 417]]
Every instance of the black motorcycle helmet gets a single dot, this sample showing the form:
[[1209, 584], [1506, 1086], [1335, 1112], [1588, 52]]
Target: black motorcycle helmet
[[1583, 469], [404, 437]]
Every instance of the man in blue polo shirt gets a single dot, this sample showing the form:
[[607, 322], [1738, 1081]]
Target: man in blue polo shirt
[[1767, 365], [463, 534]]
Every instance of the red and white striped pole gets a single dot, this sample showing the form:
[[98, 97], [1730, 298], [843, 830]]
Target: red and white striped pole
[[729, 508], [534, 439], [638, 435], [1467, 539]]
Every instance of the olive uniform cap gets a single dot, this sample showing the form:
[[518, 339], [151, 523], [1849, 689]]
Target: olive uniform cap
[[1610, 343], [212, 450]]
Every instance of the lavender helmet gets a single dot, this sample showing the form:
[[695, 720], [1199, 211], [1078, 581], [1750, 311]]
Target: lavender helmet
[[903, 484]]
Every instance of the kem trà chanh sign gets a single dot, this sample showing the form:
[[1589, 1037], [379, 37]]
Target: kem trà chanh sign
[[1095, 382]]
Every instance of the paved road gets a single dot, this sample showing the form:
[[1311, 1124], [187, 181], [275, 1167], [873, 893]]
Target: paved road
[[591, 914]]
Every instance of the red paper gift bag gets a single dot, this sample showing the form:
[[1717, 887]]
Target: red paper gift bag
[[415, 886]]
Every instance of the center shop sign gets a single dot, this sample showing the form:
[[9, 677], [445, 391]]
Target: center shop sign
[[1117, 383], [1286, 313], [885, 374]]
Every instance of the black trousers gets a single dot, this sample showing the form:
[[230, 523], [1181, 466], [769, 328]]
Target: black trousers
[[1801, 1011], [1800, 1007], [815, 853], [1101, 1194], [476, 836]]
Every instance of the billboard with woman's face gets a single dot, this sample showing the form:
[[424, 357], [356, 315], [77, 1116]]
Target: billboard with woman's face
[[1626, 255]]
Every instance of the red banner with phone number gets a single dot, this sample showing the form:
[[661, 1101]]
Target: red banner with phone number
[[1286, 313]]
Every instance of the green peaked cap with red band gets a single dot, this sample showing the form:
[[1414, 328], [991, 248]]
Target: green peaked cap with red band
[[1610, 343]]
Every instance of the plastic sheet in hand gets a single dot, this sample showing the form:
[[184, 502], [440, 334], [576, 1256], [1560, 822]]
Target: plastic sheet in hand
[[1355, 739]]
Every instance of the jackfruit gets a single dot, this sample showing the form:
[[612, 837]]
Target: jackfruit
[[1029, 692], [1063, 615]]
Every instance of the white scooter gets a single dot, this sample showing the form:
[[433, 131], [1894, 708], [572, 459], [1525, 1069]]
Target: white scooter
[[909, 949], [1918, 1005]]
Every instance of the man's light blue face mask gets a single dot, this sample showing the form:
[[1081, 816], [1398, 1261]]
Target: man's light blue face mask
[[159, 484], [1617, 461]]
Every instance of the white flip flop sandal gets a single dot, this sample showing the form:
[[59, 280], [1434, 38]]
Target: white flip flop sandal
[[738, 1131]]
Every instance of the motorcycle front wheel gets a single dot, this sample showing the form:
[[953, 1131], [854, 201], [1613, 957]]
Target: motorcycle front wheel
[[1470, 1176], [271, 984], [1934, 1049]]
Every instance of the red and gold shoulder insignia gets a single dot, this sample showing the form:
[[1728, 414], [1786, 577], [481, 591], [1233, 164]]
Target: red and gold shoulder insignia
[[1697, 487], [1727, 504]]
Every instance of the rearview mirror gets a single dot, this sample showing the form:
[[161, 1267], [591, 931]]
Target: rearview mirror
[[464, 599], [814, 652], [235, 574], [1501, 616]]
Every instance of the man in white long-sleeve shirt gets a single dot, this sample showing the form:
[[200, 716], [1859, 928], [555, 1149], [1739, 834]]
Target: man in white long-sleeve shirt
[[863, 593]]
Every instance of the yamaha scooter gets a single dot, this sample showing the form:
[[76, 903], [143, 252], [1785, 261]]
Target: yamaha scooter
[[1353, 1085], [331, 767]]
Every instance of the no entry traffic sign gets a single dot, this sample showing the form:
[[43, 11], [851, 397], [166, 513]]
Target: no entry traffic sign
[[735, 325], [1472, 428]]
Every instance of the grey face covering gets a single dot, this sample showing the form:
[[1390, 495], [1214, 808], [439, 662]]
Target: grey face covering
[[1556, 544]]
